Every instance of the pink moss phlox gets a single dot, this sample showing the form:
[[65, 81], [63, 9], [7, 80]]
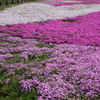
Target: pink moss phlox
[[82, 30], [82, 2], [69, 71]]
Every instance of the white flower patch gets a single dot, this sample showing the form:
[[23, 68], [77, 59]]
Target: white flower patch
[[33, 12]]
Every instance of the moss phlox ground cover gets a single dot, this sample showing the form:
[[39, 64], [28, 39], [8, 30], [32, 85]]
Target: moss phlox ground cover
[[82, 2], [84, 30], [48, 72], [51, 60]]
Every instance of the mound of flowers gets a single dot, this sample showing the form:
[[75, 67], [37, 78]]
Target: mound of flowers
[[84, 30], [33, 70]]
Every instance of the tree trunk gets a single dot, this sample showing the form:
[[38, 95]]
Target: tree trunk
[[6, 2]]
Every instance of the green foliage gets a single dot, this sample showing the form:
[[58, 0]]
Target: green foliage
[[33, 58], [20, 71], [6, 41], [70, 20], [51, 46], [3, 72], [15, 53], [43, 57], [54, 72], [41, 45], [2, 0], [13, 60], [11, 91]]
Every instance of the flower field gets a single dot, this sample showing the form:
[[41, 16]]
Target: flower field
[[51, 60]]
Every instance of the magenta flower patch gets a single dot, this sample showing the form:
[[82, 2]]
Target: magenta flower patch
[[83, 2], [67, 3], [84, 30]]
